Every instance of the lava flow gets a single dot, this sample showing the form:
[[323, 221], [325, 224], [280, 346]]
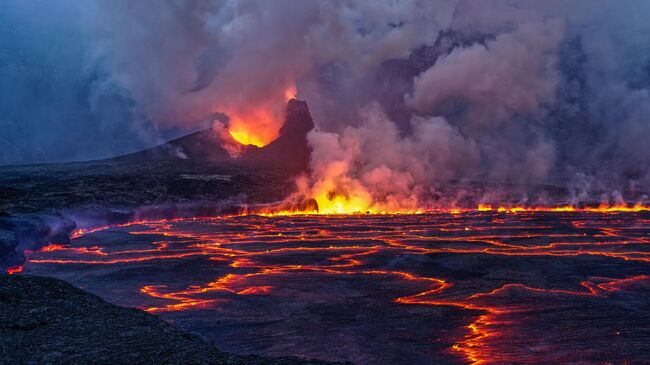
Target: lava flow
[[484, 287], [14, 269]]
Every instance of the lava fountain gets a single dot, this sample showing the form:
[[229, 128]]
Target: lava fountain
[[259, 125]]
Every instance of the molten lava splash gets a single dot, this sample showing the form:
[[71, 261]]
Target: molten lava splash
[[259, 126], [256, 128]]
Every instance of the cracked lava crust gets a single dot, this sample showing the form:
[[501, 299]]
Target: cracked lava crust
[[474, 287]]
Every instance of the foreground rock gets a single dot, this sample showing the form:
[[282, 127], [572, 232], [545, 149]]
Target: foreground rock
[[48, 321]]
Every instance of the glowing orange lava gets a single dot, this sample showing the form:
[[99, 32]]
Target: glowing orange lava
[[477, 347], [333, 204], [259, 126], [603, 208], [256, 253], [254, 128], [14, 269]]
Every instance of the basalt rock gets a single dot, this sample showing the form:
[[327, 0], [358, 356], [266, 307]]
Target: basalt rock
[[48, 321]]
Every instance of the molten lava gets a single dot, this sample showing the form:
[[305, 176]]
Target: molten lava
[[602, 208], [260, 125], [14, 269], [256, 128], [336, 204], [333, 203], [505, 273]]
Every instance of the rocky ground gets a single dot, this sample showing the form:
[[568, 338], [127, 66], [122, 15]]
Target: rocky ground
[[190, 176], [45, 203], [48, 321]]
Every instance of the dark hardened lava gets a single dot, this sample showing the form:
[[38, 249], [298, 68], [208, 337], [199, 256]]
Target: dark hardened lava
[[484, 287], [48, 321]]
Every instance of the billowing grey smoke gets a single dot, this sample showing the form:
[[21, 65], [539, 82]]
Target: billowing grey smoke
[[55, 105], [515, 73], [408, 96], [183, 61]]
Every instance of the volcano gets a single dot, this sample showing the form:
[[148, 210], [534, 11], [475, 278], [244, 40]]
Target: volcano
[[195, 234], [289, 150], [191, 175], [153, 230]]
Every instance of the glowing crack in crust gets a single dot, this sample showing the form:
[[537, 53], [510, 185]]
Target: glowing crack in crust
[[261, 250]]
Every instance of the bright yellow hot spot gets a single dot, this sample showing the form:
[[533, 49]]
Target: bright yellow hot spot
[[357, 202], [259, 125], [604, 208], [244, 138], [342, 205]]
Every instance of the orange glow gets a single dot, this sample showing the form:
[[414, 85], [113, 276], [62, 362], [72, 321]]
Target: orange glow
[[259, 290], [479, 340], [242, 131], [334, 204], [260, 125], [14, 269], [476, 346], [603, 208], [51, 248], [290, 92], [484, 208]]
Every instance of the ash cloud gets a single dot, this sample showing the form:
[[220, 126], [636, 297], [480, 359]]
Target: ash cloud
[[515, 73], [408, 96], [184, 61]]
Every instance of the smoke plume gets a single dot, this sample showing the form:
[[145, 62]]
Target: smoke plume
[[409, 97]]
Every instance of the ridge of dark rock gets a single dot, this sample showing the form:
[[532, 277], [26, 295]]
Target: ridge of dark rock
[[48, 321], [290, 149]]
